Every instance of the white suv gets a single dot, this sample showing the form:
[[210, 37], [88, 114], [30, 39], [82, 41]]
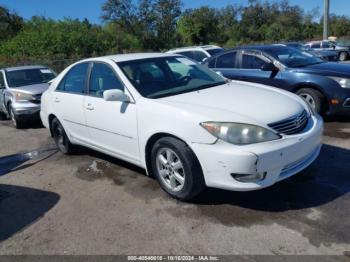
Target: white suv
[[198, 53], [182, 122]]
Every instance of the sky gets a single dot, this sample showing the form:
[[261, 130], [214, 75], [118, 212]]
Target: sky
[[91, 9]]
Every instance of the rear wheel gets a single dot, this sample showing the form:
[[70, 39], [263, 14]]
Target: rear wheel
[[343, 56], [177, 168], [17, 123], [61, 138], [313, 97]]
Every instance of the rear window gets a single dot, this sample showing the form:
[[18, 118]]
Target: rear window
[[215, 51]]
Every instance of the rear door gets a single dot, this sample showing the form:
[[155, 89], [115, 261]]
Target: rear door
[[68, 101], [112, 124]]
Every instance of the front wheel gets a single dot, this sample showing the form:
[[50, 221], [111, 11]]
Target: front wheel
[[343, 56], [18, 124], [61, 138], [177, 169], [313, 97]]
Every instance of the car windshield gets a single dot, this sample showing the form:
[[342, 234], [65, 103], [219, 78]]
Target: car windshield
[[28, 77], [167, 76], [292, 57], [215, 51]]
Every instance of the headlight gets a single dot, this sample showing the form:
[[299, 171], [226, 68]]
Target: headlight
[[19, 96], [343, 82], [239, 134]]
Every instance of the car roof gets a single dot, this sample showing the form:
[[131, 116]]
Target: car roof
[[262, 47], [202, 47], [16, 68], [130, 57], [251, 47]]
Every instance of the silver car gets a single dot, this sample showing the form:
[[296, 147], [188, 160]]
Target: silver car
[[20, 92]]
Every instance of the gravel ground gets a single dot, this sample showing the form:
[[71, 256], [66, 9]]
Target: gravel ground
[[90, 203]]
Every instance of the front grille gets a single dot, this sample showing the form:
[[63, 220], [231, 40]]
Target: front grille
[[291, 126], [37, 99]]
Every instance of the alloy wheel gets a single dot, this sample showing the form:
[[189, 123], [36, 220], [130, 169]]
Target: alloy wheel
[[309, 99], [59, 137], [170, 169]]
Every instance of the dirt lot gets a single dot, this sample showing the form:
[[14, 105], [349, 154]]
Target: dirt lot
[[93, 204]]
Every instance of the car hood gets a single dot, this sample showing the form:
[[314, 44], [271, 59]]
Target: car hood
[[32, 89], [239, 102], [329, 68]]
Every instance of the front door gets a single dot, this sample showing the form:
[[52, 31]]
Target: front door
[[250, 69], [112, 124]]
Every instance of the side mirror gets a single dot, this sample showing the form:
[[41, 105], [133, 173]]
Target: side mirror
[[115, 95], [269, 67]]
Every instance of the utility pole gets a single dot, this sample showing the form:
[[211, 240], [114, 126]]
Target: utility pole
[[326, 19]]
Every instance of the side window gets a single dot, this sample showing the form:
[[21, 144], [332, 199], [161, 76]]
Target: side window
[[326, 44], [2, 82], [316, 45], [212, 63], [226, 61], [103, 78], [199, 56], [252, 62], [74, 81]]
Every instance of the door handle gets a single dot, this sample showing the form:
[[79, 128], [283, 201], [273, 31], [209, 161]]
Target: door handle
[[57, 100], [90, 107]]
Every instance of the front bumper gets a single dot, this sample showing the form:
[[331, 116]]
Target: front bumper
[[277, 159], [343, 105], [26, 110]]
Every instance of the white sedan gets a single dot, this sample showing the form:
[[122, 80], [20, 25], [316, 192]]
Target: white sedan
[[183, 123]]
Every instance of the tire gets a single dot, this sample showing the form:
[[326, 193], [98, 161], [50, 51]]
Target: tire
[[61, 138], [314, 98], [3, 116], [17, 123], [180, 166], [343, 56]]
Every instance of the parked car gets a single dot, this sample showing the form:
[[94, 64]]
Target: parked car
[[324, 85], [198, 53], [182, 122], [327, 55], [20, 92], [343, 51]]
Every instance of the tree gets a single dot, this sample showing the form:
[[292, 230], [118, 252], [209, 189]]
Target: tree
[[120, 12], [199, 26], [10, 24], [167, 13]]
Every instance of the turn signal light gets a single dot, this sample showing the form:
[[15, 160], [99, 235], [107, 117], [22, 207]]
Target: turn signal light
[[334, 101]]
